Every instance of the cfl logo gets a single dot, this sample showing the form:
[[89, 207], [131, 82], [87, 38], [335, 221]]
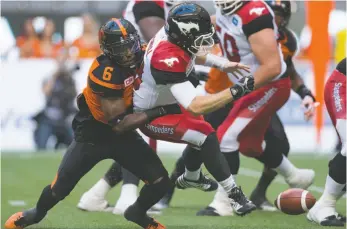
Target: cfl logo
[[128, 81]]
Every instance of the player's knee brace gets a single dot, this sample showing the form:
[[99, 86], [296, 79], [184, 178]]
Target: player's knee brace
[[233, 159], [337, 168]]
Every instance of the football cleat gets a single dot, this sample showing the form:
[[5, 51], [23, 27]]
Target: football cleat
[[136, 215], [208, 211], [155, 225], [301, 178], [341, 218], [204, 183], [24, 219], [92, 203], [324, 214], [239, 202]]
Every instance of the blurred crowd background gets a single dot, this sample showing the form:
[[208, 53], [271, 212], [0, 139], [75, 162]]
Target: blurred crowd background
[[50, 42]]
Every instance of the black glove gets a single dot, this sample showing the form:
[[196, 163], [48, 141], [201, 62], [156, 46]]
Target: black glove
[[243, 87]]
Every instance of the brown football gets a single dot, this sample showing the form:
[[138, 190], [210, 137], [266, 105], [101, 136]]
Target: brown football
[[295, 201]]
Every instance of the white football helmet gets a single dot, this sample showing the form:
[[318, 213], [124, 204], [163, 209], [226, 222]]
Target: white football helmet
[[228, 7]]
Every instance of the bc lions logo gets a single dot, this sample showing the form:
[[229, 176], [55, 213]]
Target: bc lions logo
[[257, 11], [170, 62]]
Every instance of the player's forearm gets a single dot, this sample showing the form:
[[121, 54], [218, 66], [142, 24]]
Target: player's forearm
[[295, 78], [131, 122], [266, 73], [206, 104], [136, 120]]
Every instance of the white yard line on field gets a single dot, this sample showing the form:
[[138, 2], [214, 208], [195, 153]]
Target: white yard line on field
[[256, 174], [17, 203]]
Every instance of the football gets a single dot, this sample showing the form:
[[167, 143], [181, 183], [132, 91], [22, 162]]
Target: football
[[295, 201]]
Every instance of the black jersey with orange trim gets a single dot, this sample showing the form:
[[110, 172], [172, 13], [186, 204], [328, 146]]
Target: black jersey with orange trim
[[106, 79], [289, 44]]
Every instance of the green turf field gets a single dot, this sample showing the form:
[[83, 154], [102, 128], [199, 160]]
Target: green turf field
[[24, 175]]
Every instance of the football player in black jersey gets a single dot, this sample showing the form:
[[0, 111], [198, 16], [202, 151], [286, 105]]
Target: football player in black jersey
[[104, 129]]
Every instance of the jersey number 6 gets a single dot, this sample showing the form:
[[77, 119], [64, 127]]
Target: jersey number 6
[[107, 74]]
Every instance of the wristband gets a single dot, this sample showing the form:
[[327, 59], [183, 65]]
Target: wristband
[[215, 61], [155, 113], [303, 91]]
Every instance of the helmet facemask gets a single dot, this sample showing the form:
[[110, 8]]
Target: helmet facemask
[[124, 52], [202, 44]]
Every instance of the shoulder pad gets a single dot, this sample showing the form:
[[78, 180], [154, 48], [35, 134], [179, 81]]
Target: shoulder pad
[[170, 58], [253, 10]]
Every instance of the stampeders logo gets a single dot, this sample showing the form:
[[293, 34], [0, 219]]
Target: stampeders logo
[[268, 94], [160, 130], [337, 98]]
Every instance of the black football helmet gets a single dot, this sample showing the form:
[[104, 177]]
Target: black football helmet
[[189, 26], [119, 41], [282, 9]]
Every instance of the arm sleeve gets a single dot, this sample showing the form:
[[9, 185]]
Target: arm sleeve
[[263, 22], [184, 93], [145, 9], [166, 77]]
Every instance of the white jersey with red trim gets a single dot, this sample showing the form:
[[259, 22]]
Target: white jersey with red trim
[[129, 14], [165, 64], [234, 30]]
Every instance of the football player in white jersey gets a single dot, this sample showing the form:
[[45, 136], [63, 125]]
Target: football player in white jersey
[[168, 62], [248, 33]]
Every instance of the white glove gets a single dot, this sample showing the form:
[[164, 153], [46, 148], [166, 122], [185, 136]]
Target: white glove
[[309, 107]]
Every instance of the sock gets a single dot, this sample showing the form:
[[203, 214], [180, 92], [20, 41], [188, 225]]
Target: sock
[[228, 184], [114, 175], [286, 168], [128, 194], [214, 160], [332, 191], [46, 201], [192, 158], [192, 175], [264, 182], [220, 198], [233, 159], [151, 194], [101, 188], [129, 178]]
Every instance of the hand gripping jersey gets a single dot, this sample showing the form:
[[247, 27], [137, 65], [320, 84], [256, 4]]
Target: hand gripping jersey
[[139, 9], [165, 64], [233, 32], [106, 79]]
